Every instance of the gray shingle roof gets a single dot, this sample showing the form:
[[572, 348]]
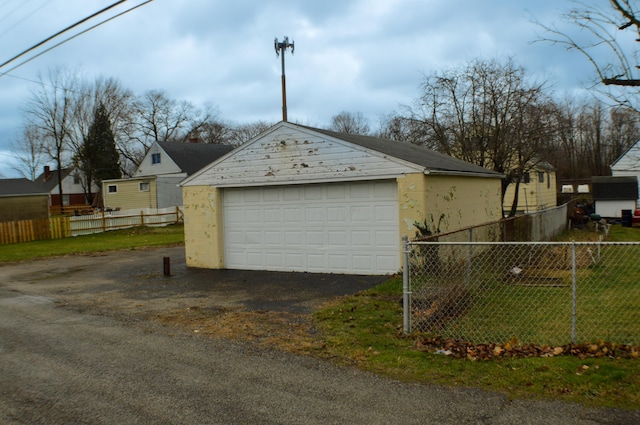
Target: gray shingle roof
[[191, 157], [431, 160], [14, 187], [47, 184]]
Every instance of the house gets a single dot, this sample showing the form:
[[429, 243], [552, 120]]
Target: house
[[628, 164], [612, 195], [537, 190], [296, 198], [22, 199], [73, 191], [155, 182]]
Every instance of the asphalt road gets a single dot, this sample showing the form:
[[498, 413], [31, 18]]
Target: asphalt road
[[61, 365]]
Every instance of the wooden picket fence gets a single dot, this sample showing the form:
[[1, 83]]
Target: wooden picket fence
[[34, 230], [63, 227]]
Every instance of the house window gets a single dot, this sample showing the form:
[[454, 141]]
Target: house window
[[145, 187], [526, 178], [76, 179], [112, 188], [155, 158], [65, 200], [541, 176], [548, 180]]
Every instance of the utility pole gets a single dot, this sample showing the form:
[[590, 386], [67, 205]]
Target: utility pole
[[281, 48]]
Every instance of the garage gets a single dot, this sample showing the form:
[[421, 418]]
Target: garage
[[349, 227], [296, 198]]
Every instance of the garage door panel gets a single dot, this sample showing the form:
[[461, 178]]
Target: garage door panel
[[361, 238], [272, 215], [337, 228], [315, 238]]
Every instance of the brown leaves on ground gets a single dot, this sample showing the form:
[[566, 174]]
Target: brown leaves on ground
[[285, 331], [458, 349]]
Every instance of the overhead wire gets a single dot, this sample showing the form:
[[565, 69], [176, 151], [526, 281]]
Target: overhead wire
[[70, 27], [45, 2], [6, 73]]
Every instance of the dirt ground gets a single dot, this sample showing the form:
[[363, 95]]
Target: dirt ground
[[268, 308]]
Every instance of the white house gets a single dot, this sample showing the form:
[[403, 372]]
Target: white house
[[628, 165]]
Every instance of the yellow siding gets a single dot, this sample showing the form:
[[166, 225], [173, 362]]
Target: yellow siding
[[535, 195], [203, 231], [456, 202], [129, 195]]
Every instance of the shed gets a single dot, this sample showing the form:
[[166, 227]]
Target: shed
[[614, 194], [22, 199], [297, 198]]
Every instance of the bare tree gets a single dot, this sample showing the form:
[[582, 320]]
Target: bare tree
[[487, 113], [242, 133], [609, 45], [50, 111], [350, 123], [29, 152], [156, 117]]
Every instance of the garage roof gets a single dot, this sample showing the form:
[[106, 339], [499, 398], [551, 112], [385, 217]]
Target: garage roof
[[431, 160], [294, 154]]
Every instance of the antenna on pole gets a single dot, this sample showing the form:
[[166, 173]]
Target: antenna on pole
[[281, 48]]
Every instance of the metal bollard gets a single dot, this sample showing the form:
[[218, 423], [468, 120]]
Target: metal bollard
[[167, 266]]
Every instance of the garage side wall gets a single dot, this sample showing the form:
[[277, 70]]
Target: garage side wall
[[203, 231], [456, 202], [412, 201], [443, 204]]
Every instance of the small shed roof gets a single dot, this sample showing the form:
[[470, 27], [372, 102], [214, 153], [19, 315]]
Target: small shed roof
[[614, 188], [18, 187]]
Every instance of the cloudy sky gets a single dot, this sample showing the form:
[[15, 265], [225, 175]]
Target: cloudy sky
[[365, 56]]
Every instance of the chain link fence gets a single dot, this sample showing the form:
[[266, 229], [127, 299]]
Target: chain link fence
[[536, 292]]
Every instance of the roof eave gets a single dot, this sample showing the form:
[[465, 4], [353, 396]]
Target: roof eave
[[464, 174]]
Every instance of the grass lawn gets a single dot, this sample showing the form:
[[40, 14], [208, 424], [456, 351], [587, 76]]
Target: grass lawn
[[136, 237], [365, 330]]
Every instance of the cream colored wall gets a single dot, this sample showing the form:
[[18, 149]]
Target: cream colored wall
[[129, 195], [203, 228], [446, 203], [539, 195]]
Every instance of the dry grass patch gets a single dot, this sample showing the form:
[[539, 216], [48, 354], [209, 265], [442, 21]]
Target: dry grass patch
[[290, 332]]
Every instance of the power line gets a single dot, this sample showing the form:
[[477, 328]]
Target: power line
[[24, 17], [70, 38], [62, 32]]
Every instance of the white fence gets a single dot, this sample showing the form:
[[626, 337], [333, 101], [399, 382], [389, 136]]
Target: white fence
[[114, 220]]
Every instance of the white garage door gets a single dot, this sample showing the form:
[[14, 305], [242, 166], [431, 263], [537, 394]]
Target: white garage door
[[347, 228]]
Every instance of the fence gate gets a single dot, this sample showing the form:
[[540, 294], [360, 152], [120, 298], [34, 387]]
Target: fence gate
[[535, 292]]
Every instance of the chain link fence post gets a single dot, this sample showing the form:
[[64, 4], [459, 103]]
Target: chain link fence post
[[574, 301], [406, 289]]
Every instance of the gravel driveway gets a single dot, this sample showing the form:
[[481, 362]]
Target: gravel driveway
[[108, 338]]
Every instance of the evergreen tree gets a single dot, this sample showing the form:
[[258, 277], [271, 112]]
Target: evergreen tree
[[98, 158]]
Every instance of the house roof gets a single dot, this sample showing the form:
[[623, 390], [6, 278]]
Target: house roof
[[614, 188], [16, 187], [191, 157], [49, 179], [431, 160]]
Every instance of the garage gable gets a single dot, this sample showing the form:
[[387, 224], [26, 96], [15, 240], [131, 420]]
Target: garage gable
[[288, 154]]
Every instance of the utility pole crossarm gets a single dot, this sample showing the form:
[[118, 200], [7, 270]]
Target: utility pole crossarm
[[281, 48]]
